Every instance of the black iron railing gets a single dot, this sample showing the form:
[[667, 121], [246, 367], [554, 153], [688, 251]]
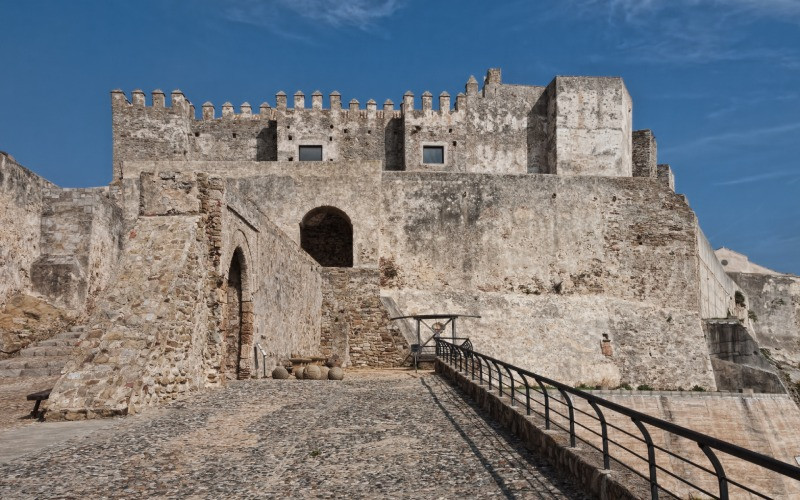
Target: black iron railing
[[553, 401]]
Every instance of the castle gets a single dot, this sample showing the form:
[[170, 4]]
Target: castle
[[228, 243]]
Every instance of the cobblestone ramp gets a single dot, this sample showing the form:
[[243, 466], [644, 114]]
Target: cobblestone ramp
[[376, 435]]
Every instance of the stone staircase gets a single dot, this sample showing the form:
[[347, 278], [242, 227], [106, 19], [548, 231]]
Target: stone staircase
[[43, 359]]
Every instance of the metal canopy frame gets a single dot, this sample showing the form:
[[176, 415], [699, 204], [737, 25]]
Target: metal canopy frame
[[420, 320]]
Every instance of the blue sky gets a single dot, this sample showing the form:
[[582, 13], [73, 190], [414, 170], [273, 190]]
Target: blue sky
[[718, 81]]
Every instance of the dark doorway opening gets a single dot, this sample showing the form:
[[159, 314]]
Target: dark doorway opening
[[234, 318], [327, 235]]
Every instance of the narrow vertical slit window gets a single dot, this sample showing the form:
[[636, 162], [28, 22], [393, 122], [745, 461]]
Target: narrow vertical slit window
[[310, 153], [432, 154]]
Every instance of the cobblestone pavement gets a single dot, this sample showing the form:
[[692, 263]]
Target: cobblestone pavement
[[383, 434], [14, 408]]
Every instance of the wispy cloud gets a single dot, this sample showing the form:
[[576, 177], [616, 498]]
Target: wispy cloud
[[734, 137], [749, 179], [276, 15], [693, 31]]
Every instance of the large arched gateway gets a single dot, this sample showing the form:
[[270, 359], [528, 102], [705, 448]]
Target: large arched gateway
[[327, 235]]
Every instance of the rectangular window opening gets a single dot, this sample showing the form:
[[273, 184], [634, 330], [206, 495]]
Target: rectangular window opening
[[310, 153], [432, 154]]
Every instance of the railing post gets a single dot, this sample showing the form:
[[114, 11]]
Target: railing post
[[604, 432], [721, 478], [546, 403], [472, 364], [527, 393], [499, 377], [513, 389], [480, 368], [571, 417], [651, 458]]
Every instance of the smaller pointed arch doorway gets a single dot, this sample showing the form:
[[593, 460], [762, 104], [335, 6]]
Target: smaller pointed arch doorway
[[238, 330]]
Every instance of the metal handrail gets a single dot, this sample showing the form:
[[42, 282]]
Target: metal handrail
[[453, 355]]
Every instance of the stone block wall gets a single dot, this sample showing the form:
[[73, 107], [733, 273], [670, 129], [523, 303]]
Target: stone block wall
[[81, 232], [717, 289], [593, 127], [645, 154], [21, 203], [355, 324]]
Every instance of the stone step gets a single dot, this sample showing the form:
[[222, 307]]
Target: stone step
[[68, 335], [10, 373], [40, 372], [56, 342], [46, 351], [20, 363]]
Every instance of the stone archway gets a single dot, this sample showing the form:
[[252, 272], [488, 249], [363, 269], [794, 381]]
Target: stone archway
[[327, 235], [238, 325]]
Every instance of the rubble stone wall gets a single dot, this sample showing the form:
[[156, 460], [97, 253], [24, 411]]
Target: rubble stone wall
[[355, 324], [775, 300]]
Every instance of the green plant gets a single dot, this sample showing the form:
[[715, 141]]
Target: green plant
[[698, 388], [644, 387], [314, 453], [738, 297], [752, 315], [625, 386], [584, 387], [766, 353]]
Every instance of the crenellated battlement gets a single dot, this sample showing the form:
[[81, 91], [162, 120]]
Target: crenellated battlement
[[574, 126]]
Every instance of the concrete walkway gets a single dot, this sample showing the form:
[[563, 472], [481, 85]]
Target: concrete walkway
[[383, 434]]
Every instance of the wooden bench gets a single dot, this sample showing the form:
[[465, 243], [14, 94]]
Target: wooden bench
[[38, 397]]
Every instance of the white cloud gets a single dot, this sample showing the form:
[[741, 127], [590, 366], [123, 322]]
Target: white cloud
[[693, 31], [735, 137], [275, 15]]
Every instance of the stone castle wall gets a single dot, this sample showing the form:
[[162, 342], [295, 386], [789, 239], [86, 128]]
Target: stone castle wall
[[21, 203], [576, 126], [584, 279]]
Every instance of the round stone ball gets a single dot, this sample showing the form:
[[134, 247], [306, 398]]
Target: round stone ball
[[336, 373], [312, 372], [298, 372], [280, 373], [323, 372]]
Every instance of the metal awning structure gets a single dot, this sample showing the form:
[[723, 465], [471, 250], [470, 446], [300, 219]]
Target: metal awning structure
[[437, 328]]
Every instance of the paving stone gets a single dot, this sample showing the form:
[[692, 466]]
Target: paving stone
[[388, 434]]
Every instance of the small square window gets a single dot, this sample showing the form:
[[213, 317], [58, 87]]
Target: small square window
[[310, 153], [432, 154]]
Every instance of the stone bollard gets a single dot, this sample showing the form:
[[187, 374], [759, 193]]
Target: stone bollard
[[336, 373], [324, 372], [280, 373], [312, 372], [298, 372]]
